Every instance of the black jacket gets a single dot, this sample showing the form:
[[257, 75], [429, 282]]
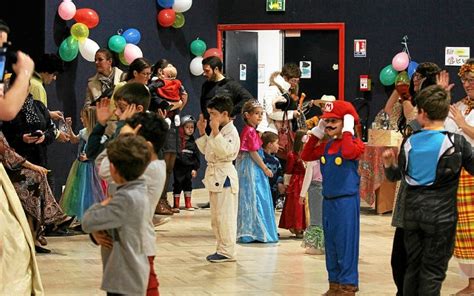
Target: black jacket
[[226, 86], [436, 203], [188, 155]]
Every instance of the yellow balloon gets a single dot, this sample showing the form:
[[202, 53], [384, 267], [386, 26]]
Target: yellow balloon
[[79, 31]]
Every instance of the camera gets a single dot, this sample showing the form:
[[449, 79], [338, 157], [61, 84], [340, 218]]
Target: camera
[[7, 58]]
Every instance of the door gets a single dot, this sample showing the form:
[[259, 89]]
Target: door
[[321, 49], [241, 58]]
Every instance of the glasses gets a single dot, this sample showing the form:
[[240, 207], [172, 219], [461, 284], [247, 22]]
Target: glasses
[[294, 80], [146, 74], [468, 80]]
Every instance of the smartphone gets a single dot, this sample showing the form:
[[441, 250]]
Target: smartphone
[[36, 134], [3, 62]]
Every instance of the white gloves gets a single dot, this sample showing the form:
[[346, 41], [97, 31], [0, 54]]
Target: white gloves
[[318, 131], [348, 124]]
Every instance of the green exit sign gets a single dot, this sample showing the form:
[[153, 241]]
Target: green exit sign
[[275, 5]]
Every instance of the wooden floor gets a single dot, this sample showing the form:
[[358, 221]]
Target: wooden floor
[[74, 267]]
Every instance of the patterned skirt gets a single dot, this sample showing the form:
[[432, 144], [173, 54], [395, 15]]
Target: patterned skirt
[[464, 246]]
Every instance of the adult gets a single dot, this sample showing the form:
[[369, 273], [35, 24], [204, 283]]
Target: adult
[[19, 273], [106, 77], [461, 121], [170, 148], [139, 71]]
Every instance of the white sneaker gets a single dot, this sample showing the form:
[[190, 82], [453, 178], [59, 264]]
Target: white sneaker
[[158, 221]]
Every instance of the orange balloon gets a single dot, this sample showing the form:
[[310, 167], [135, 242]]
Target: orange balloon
[[213, 52], [87, 16]]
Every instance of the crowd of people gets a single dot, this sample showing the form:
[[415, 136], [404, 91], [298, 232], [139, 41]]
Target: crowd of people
[[136, 135]]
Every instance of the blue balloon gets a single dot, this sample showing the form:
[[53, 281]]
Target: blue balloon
[[132, 36], [165, 3], [412, 66]]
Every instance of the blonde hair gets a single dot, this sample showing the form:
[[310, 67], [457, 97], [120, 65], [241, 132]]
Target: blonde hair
[[170, 72], [249, 107], [90, 119]]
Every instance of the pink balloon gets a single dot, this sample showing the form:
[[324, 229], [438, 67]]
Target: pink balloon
[[67, 10], [400, 61], [132, 52]]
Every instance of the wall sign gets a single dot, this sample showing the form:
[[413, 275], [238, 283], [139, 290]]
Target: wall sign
[[243, 72], [456, 56], [275, 5], [305, 67], [360, 48]]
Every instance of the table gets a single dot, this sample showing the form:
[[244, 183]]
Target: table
[[375, 189]]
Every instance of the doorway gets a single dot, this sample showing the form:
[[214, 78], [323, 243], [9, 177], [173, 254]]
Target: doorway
[[317, 48]]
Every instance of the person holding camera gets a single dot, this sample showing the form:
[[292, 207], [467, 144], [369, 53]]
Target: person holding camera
[[19, 273]]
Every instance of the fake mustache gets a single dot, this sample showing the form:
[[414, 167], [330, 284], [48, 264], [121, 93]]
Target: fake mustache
[[331, 128]]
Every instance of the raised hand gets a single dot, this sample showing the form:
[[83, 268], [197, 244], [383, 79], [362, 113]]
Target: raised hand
[[318, 131], [201, 125], [442, 79], [103, 112]]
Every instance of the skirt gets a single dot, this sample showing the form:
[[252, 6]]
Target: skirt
[[464, 245]]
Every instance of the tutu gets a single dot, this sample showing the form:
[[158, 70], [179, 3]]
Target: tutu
[[83, 189]]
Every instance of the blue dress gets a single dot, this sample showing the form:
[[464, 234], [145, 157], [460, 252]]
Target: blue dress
[[255, 218]]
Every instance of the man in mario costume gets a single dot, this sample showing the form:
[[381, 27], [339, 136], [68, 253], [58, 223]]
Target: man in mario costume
[[333, 142]]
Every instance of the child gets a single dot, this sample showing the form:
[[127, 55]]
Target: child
[[220, 148], [255, 219], [187, 163], [293, 214], [313, 239], [171, 91], [126, 266], [270, 148], [341, 203], [83, 186], [430, 161]]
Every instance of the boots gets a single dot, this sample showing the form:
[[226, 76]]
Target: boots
[[188, 205], [347, 290], [176, 202], [333, 289], [163, 208]]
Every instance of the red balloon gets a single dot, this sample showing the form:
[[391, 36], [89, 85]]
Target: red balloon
[[87, 16], [213, 52], [166, 17]]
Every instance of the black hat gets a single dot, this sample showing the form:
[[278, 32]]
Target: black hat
[[4, 27]]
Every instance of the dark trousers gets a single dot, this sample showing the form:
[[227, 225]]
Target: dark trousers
[[399, 260], [429, 248]]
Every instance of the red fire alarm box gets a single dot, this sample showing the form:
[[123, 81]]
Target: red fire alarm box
[[364, 83]]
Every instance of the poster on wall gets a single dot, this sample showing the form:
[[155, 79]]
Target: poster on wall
[[243, 72], [360, 48], [275, 5], [261, 73], [305, 67], [456, 56]]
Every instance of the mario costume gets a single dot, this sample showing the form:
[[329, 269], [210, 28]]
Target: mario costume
[[341, 203]]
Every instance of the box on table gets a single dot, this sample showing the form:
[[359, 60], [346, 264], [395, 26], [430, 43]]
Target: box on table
[[380, 137]]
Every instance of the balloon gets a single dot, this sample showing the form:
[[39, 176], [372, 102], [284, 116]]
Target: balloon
[[79, 31], [198, 47], [213, 52], [165, 3], [412, 66], [122, 59], [387, 75], [87, 16], [132, 52], [132, 36], [402, 78], [400, 61], [117, 43], [67, 10], [182, 5], [68, 49], [166, 17], [88, 48], [196, 66], [179, 21]]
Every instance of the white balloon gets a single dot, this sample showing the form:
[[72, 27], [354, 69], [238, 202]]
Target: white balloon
[[196, 66], [88, 48], [182, 5]]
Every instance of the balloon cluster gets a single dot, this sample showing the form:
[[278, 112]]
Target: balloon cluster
[[401, 69], [86, 19], [172, 12], [198, 48], [125, 44]]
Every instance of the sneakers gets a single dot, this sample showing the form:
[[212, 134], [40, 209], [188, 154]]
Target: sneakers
[[218, 258], [157, 221], [205, 205], [163, 208]]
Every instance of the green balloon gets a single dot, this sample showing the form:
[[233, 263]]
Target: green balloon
[[179, 21], [68, 49], [387, 75], [198, 47], [402, 78], [122, 59], [117, 43]]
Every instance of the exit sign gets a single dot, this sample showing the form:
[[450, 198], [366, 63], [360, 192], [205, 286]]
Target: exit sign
[[275, 5]]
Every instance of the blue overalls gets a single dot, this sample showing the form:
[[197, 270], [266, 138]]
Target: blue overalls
[[341, 211]]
